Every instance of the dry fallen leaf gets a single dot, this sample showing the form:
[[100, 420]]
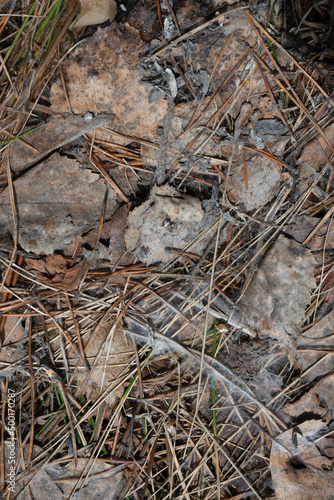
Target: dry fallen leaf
[[178, 142], [102, 76], [298, 469], [314, 157], [113, 234], [166, 219], [54, 272], [303, 226], [307, 404], [13, 346], [96, 12], [275, 301], [263, 177], [57, 132], [105, 481], [109, 353], [58, 481], [57, 201], [313, 345]]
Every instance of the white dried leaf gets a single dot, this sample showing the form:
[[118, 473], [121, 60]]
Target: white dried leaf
[[96, 12], [171, 80]]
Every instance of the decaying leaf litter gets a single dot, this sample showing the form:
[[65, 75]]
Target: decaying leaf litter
[[167, 248]]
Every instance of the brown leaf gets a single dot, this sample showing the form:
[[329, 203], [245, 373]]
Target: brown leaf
[[308, 403], [303, 225], [263, 178], [313, 158], [181, 116], [58, 481], [56, 264], [113, 231], [13, 348], [54, 272], [109, 353], [275, 301], [96, 12], [57, 132], [166, 219], [102, 76], [298, 469], [317, 344], [57, 202]]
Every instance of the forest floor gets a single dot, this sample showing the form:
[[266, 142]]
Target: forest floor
[[166, 249]]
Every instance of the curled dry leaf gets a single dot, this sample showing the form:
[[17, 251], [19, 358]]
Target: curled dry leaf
[[96, 12], [55, 272]]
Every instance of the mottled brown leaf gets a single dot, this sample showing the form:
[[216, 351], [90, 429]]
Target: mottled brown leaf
[[275, 301], [167, 219], [57, 132], [55, 272], [102, 76], [57, 201], [298, 469]]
